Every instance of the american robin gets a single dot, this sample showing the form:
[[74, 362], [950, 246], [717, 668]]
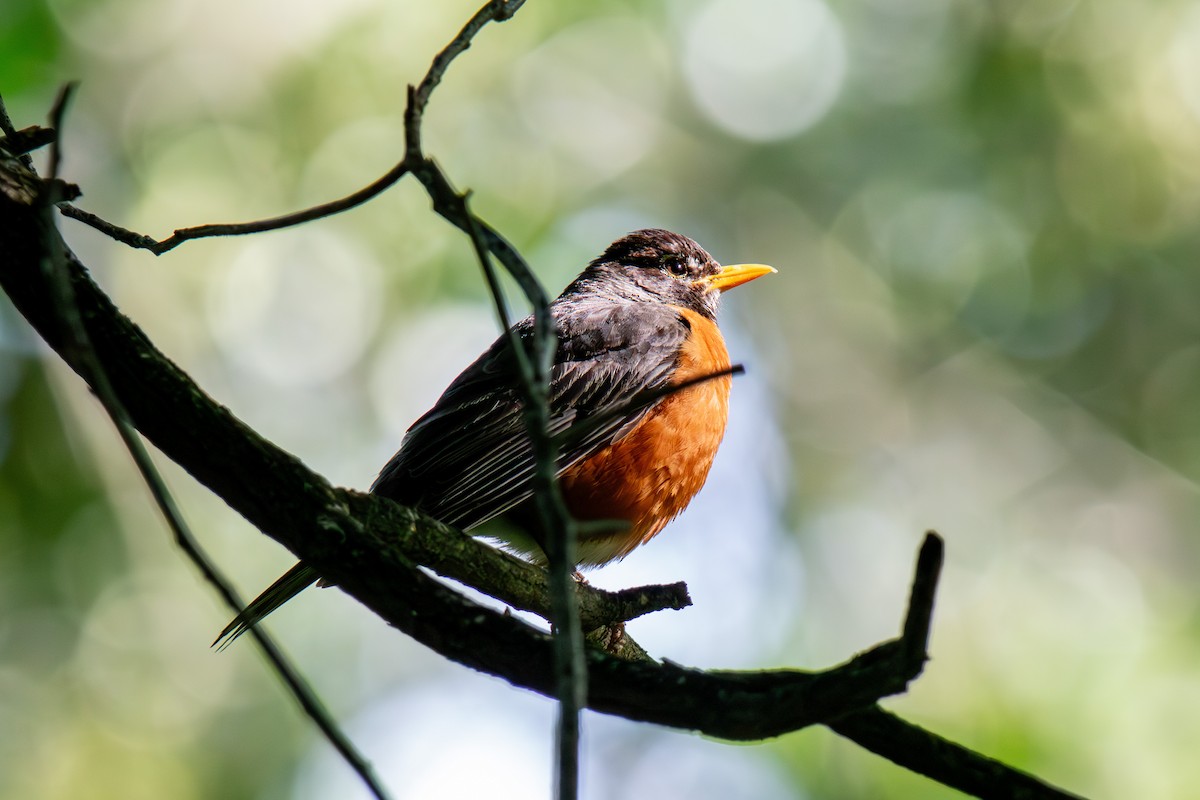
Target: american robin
[[637, 320]]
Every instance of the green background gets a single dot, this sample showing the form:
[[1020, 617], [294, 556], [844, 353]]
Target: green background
[[984, 218]]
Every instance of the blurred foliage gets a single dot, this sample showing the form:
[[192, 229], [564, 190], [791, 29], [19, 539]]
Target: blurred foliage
[[985, 219]]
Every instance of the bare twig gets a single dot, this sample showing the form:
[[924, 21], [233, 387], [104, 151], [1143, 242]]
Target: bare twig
[[525, 371], [123, 235], [570, 669], [418, 98], [556, 521], [56, 118], [181, 235], [920, 603], [924, 752], [629, 604], [496, 10]]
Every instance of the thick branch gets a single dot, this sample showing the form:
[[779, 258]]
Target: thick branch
[[371, 547]]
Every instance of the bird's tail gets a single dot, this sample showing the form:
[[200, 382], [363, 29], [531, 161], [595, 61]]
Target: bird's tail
[[294, 581]]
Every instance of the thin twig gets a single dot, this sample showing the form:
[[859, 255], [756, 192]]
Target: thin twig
[[569, 666], [56, 118], [80, 344], [920, 604], [418, 98], [920, 750], [113, 231], [559, 527], [525, 371], [6, 124], [181, 235], [496, 10], [557, 523]]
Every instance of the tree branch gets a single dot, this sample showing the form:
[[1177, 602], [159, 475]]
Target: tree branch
[[933, 756], [366, 544], [181, 235], [371, 546]]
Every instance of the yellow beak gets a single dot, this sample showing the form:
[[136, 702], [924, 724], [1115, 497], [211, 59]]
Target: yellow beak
[[734, 275]]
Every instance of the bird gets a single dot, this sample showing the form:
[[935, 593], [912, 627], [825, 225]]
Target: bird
[[640, 319]]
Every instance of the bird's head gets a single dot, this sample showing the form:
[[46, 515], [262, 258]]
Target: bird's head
[[656, 265]]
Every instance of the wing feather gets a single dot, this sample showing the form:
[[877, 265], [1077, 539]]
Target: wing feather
[[469, 459]]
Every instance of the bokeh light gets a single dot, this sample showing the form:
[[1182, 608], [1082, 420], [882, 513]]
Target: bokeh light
[[602, 112], [985, 220], [765, 69], [296, 310]]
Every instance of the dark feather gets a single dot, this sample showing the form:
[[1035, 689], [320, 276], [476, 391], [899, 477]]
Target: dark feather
[[469, 459]]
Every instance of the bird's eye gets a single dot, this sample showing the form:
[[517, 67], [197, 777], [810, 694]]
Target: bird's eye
[[676, 266]]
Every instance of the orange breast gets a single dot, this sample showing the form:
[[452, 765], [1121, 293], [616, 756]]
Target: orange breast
[[651, 474]]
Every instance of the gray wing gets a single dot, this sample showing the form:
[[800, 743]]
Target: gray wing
[[469, 459]]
